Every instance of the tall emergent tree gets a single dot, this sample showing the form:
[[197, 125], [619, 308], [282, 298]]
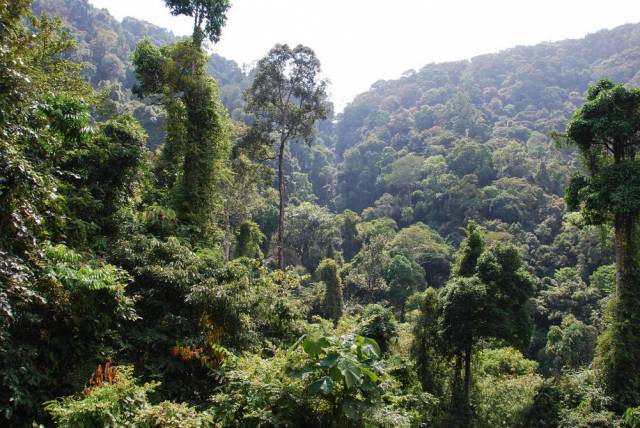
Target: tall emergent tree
[[606, 129], [194, 157], [209, 16], [286, 98]]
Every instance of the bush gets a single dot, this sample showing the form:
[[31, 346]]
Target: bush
[[506, 383], [379, 323], [110, 405], [117, 400]]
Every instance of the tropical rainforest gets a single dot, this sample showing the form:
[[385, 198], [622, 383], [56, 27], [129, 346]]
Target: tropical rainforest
[[185, 242]]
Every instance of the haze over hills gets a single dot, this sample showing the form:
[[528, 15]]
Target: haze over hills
[[550, 78]]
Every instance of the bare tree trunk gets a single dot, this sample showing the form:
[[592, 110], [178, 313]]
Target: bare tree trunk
[[281, 188]]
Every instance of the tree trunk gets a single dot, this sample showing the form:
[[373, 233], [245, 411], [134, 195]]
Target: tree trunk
[[467, 386], [457, 411], [622, 359], [624, 226], [281, 189]]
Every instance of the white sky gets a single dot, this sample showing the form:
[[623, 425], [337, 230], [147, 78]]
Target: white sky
[[362, 41]]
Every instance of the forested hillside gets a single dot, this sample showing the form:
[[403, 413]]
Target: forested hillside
[[187, 243], [106, 45]]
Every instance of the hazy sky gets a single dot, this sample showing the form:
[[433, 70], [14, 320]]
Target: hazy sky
[[362, 41]]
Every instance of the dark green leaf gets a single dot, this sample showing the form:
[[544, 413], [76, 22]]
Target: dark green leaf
[[324, 385]]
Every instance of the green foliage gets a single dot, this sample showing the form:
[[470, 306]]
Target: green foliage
[[172, 415], [572, 400], [379, 323], [426, 344], [351, 240], [312, 234], [286, 98], [604, 279], [77, 313], [248, 240], [278, 92], [321, 380], [489, 302], [101, 167], [259, 392], [567, 294], [329, 274], [585, 403], [570, 346], [34, 65], [470, 250], [343, 368], [604, 130], [510, 288], [404, 278], [365, 275], [544, 411], [114, 404], [512, 160], [632, 417], [179, 69], [154, 259], [506, 383], [423, 245], [463, 319], [468, 157], [123, 403], [403, 173]]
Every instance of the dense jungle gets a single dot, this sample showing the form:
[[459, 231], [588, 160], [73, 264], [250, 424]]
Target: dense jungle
[[187, 242]]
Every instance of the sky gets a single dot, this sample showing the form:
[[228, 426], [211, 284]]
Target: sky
[[362, 41]]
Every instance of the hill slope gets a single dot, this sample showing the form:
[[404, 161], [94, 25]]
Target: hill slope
[[536, 87], [462, 128]]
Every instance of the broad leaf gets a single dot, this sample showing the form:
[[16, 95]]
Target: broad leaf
[[314, 346], [351, 372], [371, 375], [324, 385], [328, 361], [370, 349]]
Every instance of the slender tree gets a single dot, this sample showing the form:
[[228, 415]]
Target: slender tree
[[486, 298], [463, 317], [606, 130], [470, 250], [286, 98], [426, 346]]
